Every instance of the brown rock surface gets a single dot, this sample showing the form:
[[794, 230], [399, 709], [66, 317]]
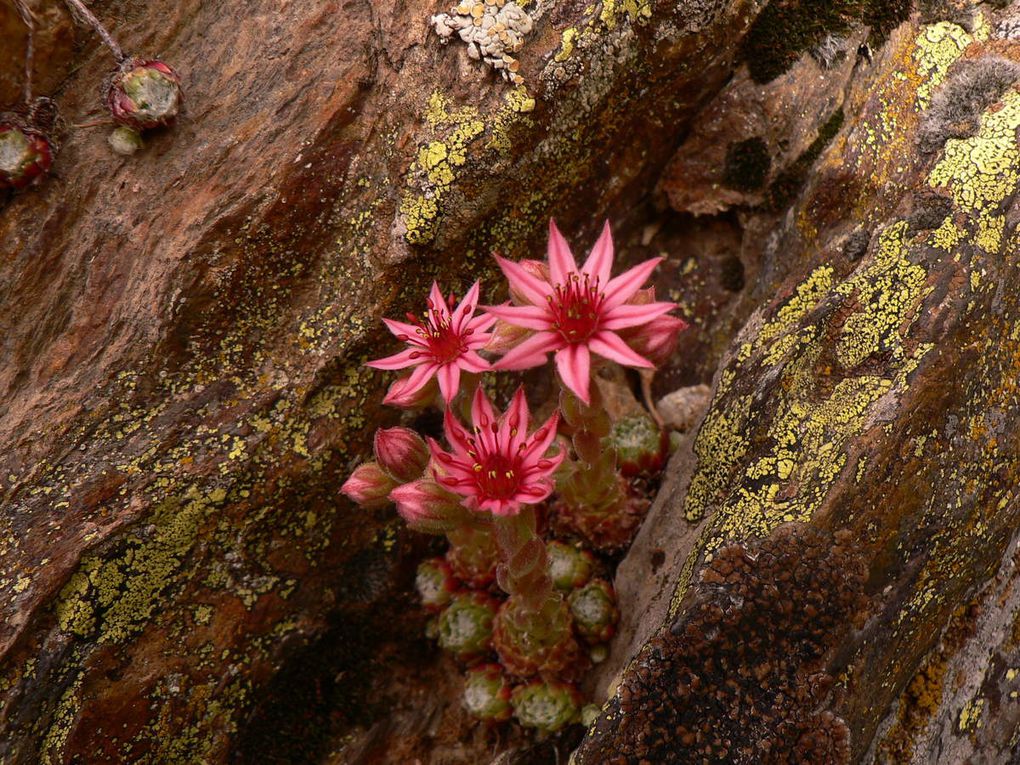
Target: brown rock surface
[[182, 388]]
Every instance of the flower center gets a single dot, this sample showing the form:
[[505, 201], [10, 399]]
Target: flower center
[[496, 476], [576, 307], [436, 332]]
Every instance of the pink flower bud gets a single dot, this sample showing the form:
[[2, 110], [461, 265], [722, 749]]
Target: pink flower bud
[[401, 452], [428, 507], [406, 394], [369, 486], [657, 339], [537, 268], [506, 336], [144, 94], [25, 154]]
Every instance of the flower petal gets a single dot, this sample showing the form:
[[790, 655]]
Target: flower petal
[[449, 381], [409, 333], [574, 365], [516, 420], [632, 315], [561, 261], [465, 308], [436, 300], [455, 433], [529, 286], [527, 316], [531, 353], [599, 264], [541, 439], [610, 346], [623, 287], [482, 414], [478, 326], [401, 360], [470, 361]]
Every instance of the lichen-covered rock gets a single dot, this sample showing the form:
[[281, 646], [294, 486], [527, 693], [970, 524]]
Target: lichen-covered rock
[[862, 412], [183, 390]]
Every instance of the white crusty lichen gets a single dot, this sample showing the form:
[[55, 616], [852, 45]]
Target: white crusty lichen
[[492, 29]]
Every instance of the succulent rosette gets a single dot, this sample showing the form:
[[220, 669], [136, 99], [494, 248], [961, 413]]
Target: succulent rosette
[[547, 706], [25, 154], [569, 566], [435, 583], [487, 693], [465, 627], [144, 93], [528, 643], [594, 610], [641, 446]]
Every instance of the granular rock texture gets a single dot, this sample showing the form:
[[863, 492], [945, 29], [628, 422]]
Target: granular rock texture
[[745, 676]]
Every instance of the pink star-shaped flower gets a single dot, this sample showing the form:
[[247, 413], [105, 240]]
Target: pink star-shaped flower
[[442, 344], [497, 466], [576, 312]]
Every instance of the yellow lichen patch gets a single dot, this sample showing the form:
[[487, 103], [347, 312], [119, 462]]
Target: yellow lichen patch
[[887, 290], [802, 448], [566, 45], [936, 48], [52, 750], [516, 103], [805, 298], [990, 231], [634, 10], [946, 236], [434, 168], [970, 715], [118, 595], [981, 171]]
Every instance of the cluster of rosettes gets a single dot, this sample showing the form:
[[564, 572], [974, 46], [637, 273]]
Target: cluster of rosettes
[[141, 94], [526, 613], [492, 29], [467, 615]]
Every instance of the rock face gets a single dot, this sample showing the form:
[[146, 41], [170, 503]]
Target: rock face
[[182, 388], [866, 408]]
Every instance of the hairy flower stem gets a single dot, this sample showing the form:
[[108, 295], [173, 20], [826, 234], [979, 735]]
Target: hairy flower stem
[[523, 572], [81, 11], [591, 483], [533, 628]]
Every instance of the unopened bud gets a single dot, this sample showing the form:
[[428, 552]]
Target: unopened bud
[[401, 452], [369, 486], [428, 507]]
